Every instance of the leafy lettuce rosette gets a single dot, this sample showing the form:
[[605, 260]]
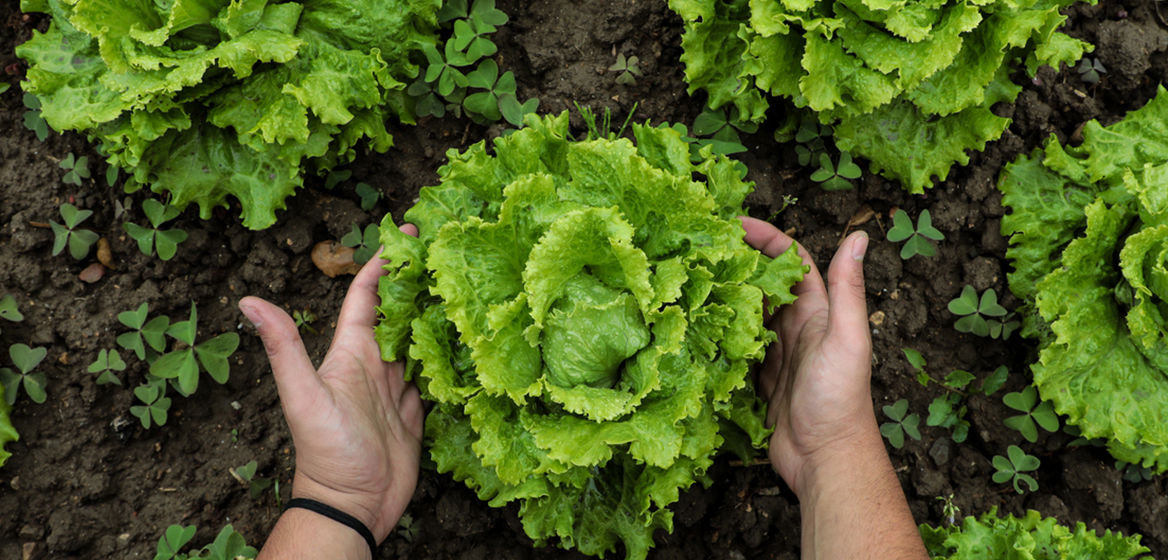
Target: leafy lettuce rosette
[[583, 316], [206, 99], [908, 84], [1089, 244]]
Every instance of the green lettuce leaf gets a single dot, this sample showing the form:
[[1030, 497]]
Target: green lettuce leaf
[[585, 315], [221, 101], [989, 537], [7, 430], [1089, 239]]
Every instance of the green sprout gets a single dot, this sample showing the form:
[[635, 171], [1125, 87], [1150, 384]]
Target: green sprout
[[948, 411], [1014, 468], [336, 177], [1134, 473], [111, 175], [4, 87], [78, 240], [949, 510], [900, 425], [368, 195], [107, 363], [994, 381], [26, 360], [836, 178], [486, 77], [304, 320], [228, 545], [148, 338], [151, 239], [78, 169], [256, 485], [974, 312], [365, 244], [183, 364], [9, 311], [173, 541], [917, 361], [1034, 413], [1089, 70], [155, 403], [917, 237], [810, 138], [33, 119], [628, 68]]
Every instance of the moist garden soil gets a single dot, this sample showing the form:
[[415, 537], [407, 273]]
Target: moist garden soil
[[86, 481]]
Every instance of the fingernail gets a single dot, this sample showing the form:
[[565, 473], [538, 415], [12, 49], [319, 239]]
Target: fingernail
[[860, 246], [251, 313]]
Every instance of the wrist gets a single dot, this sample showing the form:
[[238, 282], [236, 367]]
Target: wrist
[[853, 455], [288, 540], [364, 507]]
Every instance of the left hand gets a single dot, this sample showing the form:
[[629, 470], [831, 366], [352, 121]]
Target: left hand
[[356, 424]]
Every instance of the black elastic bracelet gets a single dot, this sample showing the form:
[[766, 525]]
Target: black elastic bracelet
[[338, 516]]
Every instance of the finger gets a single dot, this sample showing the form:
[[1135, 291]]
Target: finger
[[359, 310], [293, 370], [411, 411], [409, 229], [848, 311]]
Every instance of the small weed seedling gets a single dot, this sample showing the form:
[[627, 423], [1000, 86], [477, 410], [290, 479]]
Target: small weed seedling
[[1134, 473], [948, 411], [155, 404], [1089, 70], [148, 338], [949, 509], [836, 178], [513, 111], [26, 360], [486, 77], [4, 87], [974, 312], [917, 237], [228, 545], [304, 320], [1034, 413], [111, 175], [994, 381], [810, 140], [78, 240], [246, 475], [628, 68], [442, 69], [33, 119], [183, 364], [152, 239], [365, 244], [77, 169], [901, 424], [1015, 468], [336, 177], [106, 365], [9, 310], [368, 195], [602, 129]]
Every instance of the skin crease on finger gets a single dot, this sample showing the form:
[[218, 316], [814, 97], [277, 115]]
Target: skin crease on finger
[[357, 425]]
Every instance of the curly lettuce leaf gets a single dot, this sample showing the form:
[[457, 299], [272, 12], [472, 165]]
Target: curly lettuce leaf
[[7, 430], [214, 101], [584, 314], [989, 537]]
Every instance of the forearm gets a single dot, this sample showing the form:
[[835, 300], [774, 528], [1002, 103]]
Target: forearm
[[300, 534], [852, 506]]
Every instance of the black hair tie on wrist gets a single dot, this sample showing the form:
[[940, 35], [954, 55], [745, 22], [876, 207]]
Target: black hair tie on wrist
[[338, 516]]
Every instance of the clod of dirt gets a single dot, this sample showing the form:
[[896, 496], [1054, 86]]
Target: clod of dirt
[[105, 256], [1127, 48], [92, 273], [334, 259]]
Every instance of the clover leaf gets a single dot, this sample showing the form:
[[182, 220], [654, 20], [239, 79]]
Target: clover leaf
[[1014, 468], [107, 363], [901, 424], [25, 359], [916, 238], [78, 240], [1034, 413]]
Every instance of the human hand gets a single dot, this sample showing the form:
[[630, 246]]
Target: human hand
[[356, 424], [816, 376]]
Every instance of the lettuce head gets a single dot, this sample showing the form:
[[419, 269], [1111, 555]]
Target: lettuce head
[[907, 84], [583, 315], [210, 99], [990, 537], [1089, 243]]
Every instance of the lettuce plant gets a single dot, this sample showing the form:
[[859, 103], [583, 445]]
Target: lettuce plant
[[207, 99], [907, 84], [1089, 243], [583, 314], [988, 537]]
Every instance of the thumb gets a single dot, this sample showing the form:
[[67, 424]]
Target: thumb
[[293, 370], [847, 304]]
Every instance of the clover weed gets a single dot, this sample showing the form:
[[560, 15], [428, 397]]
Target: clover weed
[[26, 360], [1034, 413], [916, 238], [1015, 467], [994, 381], [720, 128], [77, 169], [228, 545], [79, 240], [901, 424], [486, 77], [106, 365], [974, 312], [304, 320], [629, 70], [256, 485], [152, 239], [9, 311], [364, 244], [147, 339], [336, 177], [1089, 70], [33, 119], [183, 364], [836, 177], [155, 403], [368, 196]]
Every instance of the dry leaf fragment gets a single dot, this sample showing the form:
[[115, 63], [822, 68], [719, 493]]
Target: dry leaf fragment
[[334, 259], [105, 256], [92, 273]]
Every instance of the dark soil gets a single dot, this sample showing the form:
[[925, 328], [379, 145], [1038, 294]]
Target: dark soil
[[86, 481]]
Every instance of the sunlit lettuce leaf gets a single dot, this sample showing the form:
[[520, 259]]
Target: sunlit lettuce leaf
[[7, 430], [585, 315], [990, 537], [222, 101], [1089, 239], [893, 77]]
